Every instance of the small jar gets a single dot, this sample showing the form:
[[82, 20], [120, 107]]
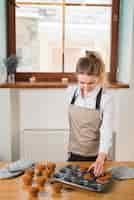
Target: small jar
[[64, 80], [32, 79], [11, 78]]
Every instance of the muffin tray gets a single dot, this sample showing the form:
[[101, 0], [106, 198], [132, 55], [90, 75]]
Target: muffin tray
[[73, 175]]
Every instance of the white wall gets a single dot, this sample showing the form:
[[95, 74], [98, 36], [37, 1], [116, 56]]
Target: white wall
[[9, 124], [9, 120], [5, 137], [125, 97]]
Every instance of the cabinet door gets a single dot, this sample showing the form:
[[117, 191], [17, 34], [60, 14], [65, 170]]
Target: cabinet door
[[50, 106], [44, 145]]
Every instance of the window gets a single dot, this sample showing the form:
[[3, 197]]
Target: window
[[50, 35]]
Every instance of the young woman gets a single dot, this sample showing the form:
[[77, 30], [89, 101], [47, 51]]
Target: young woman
[[90, 114]]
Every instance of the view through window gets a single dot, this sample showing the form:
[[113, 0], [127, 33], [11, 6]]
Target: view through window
[[52, 34]]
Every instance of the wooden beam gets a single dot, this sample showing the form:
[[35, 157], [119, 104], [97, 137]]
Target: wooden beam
[[114, 39]]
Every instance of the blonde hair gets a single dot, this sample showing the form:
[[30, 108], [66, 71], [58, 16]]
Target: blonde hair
[[91, 64]]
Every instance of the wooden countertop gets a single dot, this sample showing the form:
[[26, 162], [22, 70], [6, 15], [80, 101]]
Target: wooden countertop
[[12, 189]]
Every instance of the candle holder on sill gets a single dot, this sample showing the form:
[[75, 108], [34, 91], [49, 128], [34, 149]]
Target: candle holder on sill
[[10, 77]]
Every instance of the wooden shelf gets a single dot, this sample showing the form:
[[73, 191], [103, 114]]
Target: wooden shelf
[[26, 85]]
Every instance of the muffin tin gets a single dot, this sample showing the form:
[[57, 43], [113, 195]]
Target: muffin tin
[[73, 175]]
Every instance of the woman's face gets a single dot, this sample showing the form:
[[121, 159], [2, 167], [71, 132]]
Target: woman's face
[[87, 82]]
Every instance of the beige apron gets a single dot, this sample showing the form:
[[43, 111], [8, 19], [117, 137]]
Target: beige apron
[[84, 130]]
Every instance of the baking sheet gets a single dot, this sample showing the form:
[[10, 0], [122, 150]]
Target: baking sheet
[[92, 185]]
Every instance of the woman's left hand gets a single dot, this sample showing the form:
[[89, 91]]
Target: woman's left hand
[[98, 165]]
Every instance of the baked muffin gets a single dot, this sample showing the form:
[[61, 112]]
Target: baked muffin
[[83, 168], [47, 172], [39, 168], [51, 166], [88, 177], [27, 179], [40, 180], [29, 172], [33, 191], [56, 187], [104, 178]]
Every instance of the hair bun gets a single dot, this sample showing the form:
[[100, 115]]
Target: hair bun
[[91, 64], [92, 54]]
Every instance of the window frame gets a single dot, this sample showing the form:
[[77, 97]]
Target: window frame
[[54, 76]]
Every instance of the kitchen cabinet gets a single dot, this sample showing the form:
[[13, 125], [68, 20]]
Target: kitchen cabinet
[[44, 144]]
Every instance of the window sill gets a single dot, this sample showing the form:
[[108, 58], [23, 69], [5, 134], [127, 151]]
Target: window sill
[[39, 85], [26, 85]]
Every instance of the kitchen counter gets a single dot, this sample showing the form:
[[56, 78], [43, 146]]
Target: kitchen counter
[[12, 189]]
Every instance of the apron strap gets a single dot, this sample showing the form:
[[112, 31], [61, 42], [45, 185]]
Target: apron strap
[[98, 99], [74, 96]]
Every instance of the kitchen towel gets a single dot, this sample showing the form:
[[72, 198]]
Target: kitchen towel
[[121, 172], [4, 173]]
